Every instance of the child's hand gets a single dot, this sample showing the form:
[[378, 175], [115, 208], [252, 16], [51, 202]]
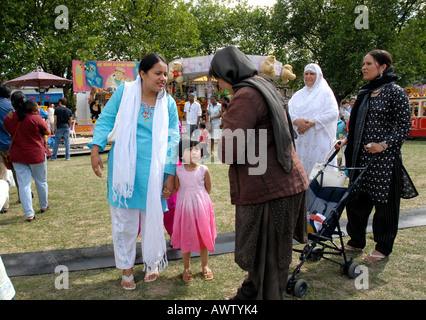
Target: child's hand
[[166, 193]]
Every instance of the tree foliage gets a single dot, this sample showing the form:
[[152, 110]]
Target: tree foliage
[[324, 31]]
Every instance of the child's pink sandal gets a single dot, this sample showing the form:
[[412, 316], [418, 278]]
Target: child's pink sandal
[[187, 275], [207, 274]]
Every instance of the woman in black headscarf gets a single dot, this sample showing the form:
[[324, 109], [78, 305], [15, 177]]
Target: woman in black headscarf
[[380, 122], [268, 190]]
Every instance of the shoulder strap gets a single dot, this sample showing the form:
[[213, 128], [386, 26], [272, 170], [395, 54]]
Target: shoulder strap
[[13, 138]]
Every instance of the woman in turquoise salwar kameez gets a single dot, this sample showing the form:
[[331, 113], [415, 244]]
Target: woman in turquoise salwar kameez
[[141, 121]]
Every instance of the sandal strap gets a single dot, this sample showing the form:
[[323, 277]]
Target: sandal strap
[[207, 270], [187, 275], [148, 272], [207, 274], [128, 278]]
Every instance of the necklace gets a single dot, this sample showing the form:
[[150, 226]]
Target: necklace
[[378, 89]]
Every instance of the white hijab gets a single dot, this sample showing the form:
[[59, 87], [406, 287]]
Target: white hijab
[[312, 102], [124, 168]]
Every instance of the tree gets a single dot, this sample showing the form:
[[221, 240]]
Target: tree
[[135, 28], [253, 27], [31, 37], [324, 31], [215, 28]]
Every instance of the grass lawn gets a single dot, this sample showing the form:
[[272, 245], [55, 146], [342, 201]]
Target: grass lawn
[[79, 217]]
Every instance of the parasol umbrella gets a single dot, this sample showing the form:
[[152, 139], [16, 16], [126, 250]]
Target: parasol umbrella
[[38, 79]]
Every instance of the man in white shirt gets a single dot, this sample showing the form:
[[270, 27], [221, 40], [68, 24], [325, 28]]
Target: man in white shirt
[[192, 111], [215, 114]]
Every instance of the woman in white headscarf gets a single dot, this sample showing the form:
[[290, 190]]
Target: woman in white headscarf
[[314, 112]]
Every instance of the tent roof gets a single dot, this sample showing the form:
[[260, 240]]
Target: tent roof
[[38, 78]]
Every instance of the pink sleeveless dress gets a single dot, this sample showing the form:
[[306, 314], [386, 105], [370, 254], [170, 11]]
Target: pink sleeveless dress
[[194, 223]]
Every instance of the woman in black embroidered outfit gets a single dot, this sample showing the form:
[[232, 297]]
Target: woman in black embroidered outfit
[[379, 124]]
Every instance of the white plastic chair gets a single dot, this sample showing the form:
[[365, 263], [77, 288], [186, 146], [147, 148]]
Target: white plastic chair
[[72, 130]]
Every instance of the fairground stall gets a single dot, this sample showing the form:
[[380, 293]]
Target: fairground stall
[[94, 82], [417, 97], [192, 75]]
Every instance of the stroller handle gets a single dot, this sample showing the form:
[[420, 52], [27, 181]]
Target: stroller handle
[[332, 156]]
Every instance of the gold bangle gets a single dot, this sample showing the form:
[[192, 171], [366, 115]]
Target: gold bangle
[[92, 155]]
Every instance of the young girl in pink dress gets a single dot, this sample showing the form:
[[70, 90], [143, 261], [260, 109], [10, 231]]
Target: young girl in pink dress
[[194, 227]]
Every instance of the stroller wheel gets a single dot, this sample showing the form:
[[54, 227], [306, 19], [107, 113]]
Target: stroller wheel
[[353, 270], [300, 288]]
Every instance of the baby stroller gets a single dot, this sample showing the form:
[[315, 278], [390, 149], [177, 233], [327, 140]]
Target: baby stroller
[[324, 208]]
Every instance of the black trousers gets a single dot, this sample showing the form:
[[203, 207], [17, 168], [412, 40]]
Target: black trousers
[[385, 219]]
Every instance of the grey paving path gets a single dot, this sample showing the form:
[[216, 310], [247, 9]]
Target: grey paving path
[[45, 262]]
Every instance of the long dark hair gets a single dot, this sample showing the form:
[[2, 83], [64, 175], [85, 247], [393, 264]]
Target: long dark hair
[[149, 61], [18, 100]]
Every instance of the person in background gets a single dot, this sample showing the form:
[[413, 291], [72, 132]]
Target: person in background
[[351, 104], [314, 112], [51, 111], [62, 125], [224, 107], [5, 138], [95, 109], [28, 152], [215, 114], [193, 113], [379, 124]]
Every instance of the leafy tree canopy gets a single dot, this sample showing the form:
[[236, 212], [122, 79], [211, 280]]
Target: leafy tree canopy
[[295, 31]]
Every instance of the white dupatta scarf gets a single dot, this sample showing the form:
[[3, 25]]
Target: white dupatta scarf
[[124, 168]]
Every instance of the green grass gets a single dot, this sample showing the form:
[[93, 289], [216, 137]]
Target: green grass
[[79, 217]]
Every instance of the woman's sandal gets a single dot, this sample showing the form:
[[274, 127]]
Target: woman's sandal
[[374, 257], [187, 275], [31, 219], [128, 282], [151, 276], [353, 249], [207, 274]]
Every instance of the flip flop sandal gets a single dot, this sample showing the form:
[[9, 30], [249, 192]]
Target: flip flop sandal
[[353, 249], [379, 257], [151, 276], [128, 282]]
